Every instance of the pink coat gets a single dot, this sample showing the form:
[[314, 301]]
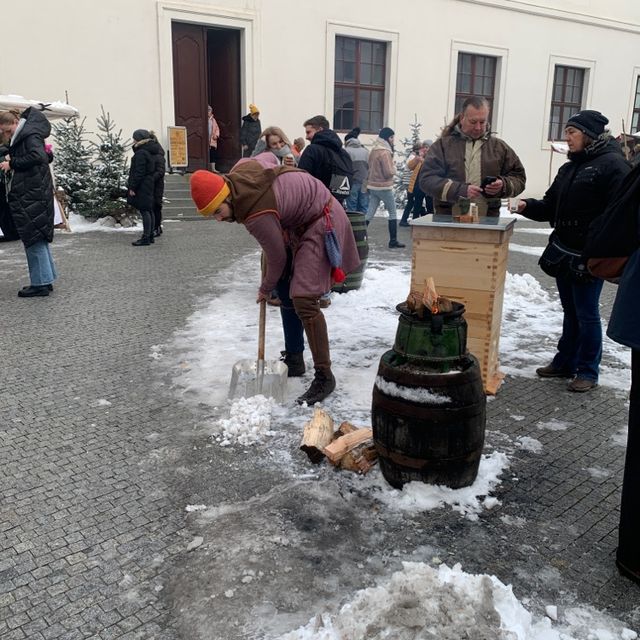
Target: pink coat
[[300, 200]]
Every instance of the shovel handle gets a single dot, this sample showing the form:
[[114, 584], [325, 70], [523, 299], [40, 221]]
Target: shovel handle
[[261, 325]]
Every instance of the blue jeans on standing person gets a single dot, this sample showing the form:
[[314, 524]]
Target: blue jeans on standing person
[[382, 195], [291, 324], [42, 270], [580, 346], [357, 200]]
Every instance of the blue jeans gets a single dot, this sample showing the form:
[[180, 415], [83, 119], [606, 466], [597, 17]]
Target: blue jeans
[[358, 200], [580, 346], [291, 324], [42, 270], [386, 196]]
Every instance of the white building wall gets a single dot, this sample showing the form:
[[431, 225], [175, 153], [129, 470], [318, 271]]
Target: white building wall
[[118, 53]]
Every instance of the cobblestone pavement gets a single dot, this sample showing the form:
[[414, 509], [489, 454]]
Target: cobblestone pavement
[[98, 460]]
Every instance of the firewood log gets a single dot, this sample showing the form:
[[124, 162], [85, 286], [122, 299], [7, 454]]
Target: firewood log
[[317, 434], [444, 305], [343, 444], [430, 295], [343, 429], [360, 459]]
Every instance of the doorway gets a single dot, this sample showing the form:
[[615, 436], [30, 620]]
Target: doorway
[[206, 70]]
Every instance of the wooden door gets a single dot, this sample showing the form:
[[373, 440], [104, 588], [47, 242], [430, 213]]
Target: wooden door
[[190, 89], [224, 92]]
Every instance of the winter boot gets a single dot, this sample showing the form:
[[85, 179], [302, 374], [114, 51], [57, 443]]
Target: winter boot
[[393, 235], [294, 362], [315, 328], [34, 291], [323, 385], [212, 166], [141, 242]]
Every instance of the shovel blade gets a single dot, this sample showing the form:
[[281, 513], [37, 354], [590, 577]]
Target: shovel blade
[[268, 379]]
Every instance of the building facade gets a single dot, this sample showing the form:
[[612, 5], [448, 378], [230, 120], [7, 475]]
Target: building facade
[[157, 63]]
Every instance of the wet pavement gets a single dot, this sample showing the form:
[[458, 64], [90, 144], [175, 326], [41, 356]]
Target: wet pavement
[[100, 456]]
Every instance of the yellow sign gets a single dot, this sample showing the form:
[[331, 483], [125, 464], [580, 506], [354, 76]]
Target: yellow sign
[[178, 156]]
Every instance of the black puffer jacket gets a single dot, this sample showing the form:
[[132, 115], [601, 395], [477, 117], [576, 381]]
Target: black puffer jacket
[[31, 186], [141, 174], [581, 191], [250, 132], [158, 173], [318, 159]]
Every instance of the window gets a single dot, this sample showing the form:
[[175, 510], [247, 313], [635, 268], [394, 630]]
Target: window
[[568, 89], [360, 76], [635, 122], [476, 77]]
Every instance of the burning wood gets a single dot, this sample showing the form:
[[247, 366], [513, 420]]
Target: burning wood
[[428, 300]]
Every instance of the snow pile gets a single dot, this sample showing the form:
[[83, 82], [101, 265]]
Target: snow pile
[[421, 602], [249, 422], [469, 501], [529, 444], [79, 224], [423, 396]]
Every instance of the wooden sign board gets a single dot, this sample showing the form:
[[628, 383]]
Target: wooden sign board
[[178, 154]]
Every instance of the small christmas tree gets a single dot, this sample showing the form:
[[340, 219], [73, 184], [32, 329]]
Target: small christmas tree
[[73, 164], [401, 180], [110, 173]]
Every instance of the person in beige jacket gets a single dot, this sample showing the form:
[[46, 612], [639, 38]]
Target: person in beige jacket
[[380, 183]]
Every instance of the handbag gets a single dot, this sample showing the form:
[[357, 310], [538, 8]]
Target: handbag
[[613, 236], [558, 261], [609, 269]]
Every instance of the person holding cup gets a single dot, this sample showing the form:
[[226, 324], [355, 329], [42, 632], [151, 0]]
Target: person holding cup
[[579, 193]]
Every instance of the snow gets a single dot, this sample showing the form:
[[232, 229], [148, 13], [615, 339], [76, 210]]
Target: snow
[[420, 601]]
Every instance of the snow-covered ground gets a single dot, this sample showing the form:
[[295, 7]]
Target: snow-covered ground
[[423, 600]]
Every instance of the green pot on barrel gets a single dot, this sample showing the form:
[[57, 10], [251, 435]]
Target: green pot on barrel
[[428, 409]]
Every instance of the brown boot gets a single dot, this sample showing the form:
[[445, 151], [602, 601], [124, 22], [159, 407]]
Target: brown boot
[[315, 328]]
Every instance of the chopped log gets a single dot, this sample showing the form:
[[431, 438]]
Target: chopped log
[[343, 429], [415, 304], [444, 305], [430, 296], [344, 444], [318, 433], [360, 459]]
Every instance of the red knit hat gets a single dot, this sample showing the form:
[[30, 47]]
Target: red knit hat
[[208, 191]]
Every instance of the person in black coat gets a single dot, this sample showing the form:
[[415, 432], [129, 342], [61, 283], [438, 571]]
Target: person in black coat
[[141, 183], [579, 194], [250, 131], [30, 194], [158, 184], [9, 231]]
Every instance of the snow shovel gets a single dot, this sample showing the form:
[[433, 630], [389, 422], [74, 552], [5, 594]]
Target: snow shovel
[[258, 377]]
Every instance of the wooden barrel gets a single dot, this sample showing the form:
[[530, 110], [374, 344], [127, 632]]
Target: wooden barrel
[[427, 425], [353, 280]]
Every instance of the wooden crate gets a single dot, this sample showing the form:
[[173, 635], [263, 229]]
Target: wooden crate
[[468, 264]]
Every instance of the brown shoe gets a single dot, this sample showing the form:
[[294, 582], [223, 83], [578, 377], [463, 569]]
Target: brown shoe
[[551, 372], [580, 385]]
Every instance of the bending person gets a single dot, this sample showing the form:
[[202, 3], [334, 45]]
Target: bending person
[[288, 212]]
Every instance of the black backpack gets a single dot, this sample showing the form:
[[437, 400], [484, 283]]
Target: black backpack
[[341, 173]]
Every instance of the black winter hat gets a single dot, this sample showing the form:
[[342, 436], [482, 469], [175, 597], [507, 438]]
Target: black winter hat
[[386, 133], [589, 122], [140, 134], [354, 133]]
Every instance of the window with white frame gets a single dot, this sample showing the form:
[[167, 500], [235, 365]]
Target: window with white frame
[[566, 98], [359, 84]]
